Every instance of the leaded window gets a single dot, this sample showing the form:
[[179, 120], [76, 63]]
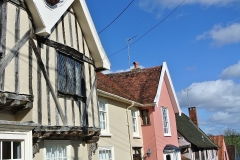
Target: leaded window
[[69, 75]]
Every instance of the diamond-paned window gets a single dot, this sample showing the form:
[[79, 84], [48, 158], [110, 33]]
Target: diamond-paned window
[[69, 75]]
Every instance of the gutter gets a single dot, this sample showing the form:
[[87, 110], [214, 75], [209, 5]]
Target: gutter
[[129, 135], [121, 99]]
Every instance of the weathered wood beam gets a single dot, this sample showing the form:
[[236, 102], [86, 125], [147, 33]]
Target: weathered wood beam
[[18, 3], [66, 50], [41, 65], [11, 54], [17, 36]]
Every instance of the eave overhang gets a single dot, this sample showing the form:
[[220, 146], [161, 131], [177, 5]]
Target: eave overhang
[[121, 99], [85, 134]]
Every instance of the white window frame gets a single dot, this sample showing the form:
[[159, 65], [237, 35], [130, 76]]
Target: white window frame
[[168, 121], [106, 131], [26, 142], [58, 142], [173, 155], [136, 117], [106, 148]]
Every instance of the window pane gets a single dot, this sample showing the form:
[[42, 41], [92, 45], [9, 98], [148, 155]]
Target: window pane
[[62, 73], [6, 151], [78, 78], [70, 69], [48, 150], [16, 150]]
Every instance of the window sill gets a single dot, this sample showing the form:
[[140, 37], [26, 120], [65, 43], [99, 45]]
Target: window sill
[[106, 135], [167, 135], [136, 137]]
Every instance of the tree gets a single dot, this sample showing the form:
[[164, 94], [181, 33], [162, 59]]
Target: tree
[[232, 137]]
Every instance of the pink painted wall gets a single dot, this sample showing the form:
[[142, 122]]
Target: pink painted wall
[[225, 151], [153, 135]]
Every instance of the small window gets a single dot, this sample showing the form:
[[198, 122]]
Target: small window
[[166, 123], [135, 122], [145, 117], [56, 150], [168, 157], [103, 117], [69, 75], [105, 153], [11, 150]]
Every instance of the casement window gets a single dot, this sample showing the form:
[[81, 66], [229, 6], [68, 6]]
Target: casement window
[[103, 115], [69, 75], [166, 123], [145, 117], [135, 123], [15, 146], [105, 153], [11, 149], [57, 150]]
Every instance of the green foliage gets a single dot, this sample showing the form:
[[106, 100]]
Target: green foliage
[[232, 137]]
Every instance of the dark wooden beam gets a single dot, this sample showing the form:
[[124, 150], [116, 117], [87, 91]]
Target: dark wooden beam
[[13, 51], [17, 36], [66, 50], [42, 67]]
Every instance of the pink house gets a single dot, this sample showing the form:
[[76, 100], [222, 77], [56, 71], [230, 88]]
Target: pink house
[[153, 88]]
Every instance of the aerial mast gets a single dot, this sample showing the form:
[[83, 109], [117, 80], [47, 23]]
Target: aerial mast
[[128, 40]]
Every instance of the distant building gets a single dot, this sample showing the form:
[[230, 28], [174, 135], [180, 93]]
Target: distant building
[[233, 152], [222, 150], [194, 143]]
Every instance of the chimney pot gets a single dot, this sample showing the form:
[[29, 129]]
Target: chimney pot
[[135, 64], [193, 115]]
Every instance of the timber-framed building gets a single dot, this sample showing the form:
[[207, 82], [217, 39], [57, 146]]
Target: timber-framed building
[[49, 55]]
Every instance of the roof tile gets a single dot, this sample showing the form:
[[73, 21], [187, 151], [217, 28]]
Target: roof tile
[[142, 84]]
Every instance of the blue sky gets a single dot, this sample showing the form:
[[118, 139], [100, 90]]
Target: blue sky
[[200, 42]]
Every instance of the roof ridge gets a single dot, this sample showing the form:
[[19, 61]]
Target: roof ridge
[[134, 70]]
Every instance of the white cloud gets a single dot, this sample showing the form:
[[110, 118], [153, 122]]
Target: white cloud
[[150, 5], [121, 70], [212, 95], [223, 35], [231, 71], [220, 99]]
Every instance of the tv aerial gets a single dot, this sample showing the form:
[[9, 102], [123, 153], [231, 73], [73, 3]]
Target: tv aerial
[[128, 40]]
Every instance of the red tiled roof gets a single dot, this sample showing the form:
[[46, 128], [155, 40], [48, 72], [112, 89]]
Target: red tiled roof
[[106, 84], [142, 84], [219, 141]]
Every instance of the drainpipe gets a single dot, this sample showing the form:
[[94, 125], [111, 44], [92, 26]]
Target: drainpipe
[[129, 135]]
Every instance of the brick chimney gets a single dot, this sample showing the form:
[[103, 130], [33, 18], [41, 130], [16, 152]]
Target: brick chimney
[[135, 65], [193, 115]]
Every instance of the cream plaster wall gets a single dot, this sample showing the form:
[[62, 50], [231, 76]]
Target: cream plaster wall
[[32, 115], [119, 130], [77, 150]]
